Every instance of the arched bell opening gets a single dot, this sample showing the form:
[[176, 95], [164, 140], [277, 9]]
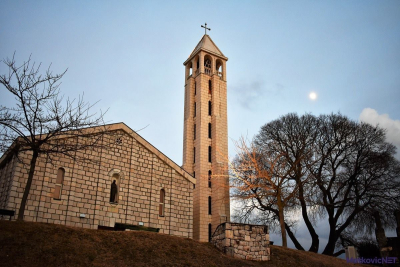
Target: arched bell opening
[[208, 65], [197, 64], [219, 67], [189, 70]]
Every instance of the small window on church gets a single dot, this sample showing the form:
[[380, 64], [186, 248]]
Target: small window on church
[[209, 130], [209, 108], [209, 86], [118, 141], [194, 132], [161, 207], [195, 89], [194, 155], [209, 178], [194, 176], [59, 183], [194, 109], [209, 232], [209, 205], [209, 153]]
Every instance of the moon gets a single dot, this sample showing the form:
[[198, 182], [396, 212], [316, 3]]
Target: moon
[[312, 96]]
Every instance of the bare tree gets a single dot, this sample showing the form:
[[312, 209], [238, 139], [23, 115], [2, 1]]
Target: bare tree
[[293, 137], [356, 174], [343, 170], [260, 182], [41, 120]]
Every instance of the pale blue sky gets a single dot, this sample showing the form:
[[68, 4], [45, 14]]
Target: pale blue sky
[[129, 55]]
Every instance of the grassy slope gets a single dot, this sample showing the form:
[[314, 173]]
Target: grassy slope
[[37, 244]]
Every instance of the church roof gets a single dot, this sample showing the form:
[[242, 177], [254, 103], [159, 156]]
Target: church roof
[[114, 127], [207, 45]]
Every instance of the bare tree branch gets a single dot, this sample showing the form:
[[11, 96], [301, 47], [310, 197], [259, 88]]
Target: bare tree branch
[[41, 120]]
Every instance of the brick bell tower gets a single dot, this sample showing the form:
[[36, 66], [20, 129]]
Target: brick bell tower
[[205, 137]]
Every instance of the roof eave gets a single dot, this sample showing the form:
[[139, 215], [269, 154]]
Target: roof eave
[[205, 50]]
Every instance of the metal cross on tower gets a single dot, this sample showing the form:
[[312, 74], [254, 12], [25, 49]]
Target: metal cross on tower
[[205, 28]]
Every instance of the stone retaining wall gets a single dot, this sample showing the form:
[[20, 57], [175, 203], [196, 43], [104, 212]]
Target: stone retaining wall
[[243, 241]]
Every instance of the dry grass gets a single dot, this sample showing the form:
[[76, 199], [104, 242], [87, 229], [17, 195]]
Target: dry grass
[[38, 244]]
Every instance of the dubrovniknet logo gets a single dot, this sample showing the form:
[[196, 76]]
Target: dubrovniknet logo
[[388, 260]]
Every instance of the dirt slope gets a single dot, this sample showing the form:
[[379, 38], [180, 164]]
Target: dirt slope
[[38, 244]]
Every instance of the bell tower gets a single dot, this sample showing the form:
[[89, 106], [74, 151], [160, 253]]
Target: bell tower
[[205, 137]]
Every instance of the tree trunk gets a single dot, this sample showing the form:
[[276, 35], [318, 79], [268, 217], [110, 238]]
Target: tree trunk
[[314, 236], [330, 246], [282, 223], [333, 237], [28, 186], [293, 238]]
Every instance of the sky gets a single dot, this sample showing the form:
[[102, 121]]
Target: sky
[[129, 55]]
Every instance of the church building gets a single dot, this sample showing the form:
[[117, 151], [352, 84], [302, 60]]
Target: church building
[[129, 181], [125, 180]]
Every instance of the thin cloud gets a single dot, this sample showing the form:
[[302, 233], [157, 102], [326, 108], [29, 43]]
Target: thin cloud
[[392, 127], [248, 94]]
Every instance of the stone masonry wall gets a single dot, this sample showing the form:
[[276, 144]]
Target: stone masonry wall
[[141, 171], [243, 241], [6, 173]]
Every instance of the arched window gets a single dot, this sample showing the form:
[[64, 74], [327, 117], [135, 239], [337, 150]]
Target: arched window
[[209, 153], [161, 207], [209, 205], [209, 178], [209, 232], [209, 130], [209, 108], [59, 183], [114, 188]]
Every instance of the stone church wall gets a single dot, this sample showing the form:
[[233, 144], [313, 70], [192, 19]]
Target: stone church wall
[[7, 167], [141, 172], [243, 241]]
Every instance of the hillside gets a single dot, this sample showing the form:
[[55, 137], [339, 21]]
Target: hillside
[[38, 244]]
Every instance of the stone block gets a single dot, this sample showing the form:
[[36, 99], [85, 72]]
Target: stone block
[[228, 234], [229, 251], [265, 258]]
